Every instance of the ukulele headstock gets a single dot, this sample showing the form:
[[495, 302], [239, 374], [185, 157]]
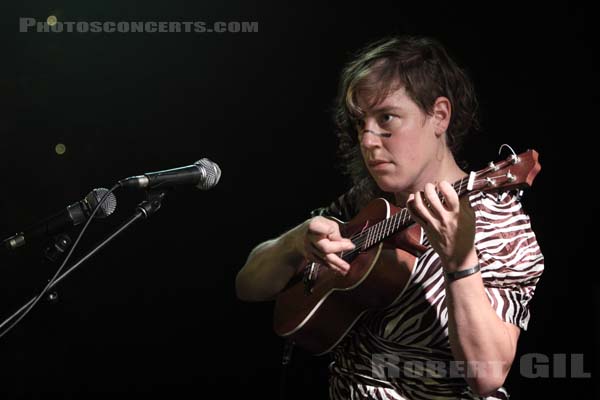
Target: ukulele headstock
[[514, 172]]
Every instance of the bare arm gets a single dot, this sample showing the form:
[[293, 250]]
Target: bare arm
[[273, 263], [478, 337]]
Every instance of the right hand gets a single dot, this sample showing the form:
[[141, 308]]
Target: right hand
[[322, 241]]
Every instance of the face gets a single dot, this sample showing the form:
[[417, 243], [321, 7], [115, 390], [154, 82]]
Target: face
[[409, 158]]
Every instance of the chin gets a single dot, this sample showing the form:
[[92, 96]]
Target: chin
[[390, 185]]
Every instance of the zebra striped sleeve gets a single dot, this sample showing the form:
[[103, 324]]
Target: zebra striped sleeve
[[510, 257]]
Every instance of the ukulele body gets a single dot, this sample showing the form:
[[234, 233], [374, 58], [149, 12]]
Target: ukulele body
[[317, 314]]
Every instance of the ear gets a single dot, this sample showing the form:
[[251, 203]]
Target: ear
[[442, 110]]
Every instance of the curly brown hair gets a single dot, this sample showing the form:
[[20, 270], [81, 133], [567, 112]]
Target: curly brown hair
[[422, 66]]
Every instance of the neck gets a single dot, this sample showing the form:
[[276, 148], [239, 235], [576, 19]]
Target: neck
[[445, 170]]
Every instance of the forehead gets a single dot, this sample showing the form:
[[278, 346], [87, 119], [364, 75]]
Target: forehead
[[370, 102]]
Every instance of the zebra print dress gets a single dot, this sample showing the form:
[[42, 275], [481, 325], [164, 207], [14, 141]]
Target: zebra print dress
[[373, 360]]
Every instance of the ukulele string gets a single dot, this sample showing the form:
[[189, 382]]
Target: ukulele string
[[376, 233], [359, 239]]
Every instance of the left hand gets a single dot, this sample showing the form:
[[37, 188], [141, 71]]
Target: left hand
[[450, 227]]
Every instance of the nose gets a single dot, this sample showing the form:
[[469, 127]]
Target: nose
[[368, 139]]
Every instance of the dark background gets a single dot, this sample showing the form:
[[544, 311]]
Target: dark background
[[155, 312]]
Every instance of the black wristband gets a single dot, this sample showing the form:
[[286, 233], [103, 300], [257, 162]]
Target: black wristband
[[452, 276]]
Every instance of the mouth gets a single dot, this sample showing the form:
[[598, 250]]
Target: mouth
[[374, 163], [379, 166]]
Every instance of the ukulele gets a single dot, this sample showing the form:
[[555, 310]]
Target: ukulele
[[318, 307]]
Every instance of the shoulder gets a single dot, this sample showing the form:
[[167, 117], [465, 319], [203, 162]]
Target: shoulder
[[503, 209], [495, 203], [501, 224]]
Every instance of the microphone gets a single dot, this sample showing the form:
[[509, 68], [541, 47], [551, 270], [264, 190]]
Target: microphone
[[73, 215], [204, 174]]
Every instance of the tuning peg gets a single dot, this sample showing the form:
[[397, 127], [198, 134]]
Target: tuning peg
[[520, 194]]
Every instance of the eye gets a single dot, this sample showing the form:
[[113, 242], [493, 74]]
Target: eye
[[385, 118]]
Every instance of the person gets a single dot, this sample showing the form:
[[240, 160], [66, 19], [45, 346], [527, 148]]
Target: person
[[403, 110]]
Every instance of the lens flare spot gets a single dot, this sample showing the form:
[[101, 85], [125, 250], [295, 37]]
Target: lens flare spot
[[60, 149]]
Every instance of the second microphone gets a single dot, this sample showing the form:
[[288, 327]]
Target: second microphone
[[204, 174]]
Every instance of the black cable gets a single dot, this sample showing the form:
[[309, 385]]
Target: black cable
[[51, 282]]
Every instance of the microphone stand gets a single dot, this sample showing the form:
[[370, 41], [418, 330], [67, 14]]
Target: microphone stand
[[144, 210]]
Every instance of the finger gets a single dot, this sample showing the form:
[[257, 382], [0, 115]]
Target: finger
[[325, 247], [450, 195], [433, 199], [313, 254], [315, 251], [323, 227], [334, 246], [338, 269], [331, 259], [327, 234], [420, 210], [410, 206], [337, 263]]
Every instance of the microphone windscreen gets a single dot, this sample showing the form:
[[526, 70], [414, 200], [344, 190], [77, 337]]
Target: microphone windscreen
[[108, 206], [211, 174]]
